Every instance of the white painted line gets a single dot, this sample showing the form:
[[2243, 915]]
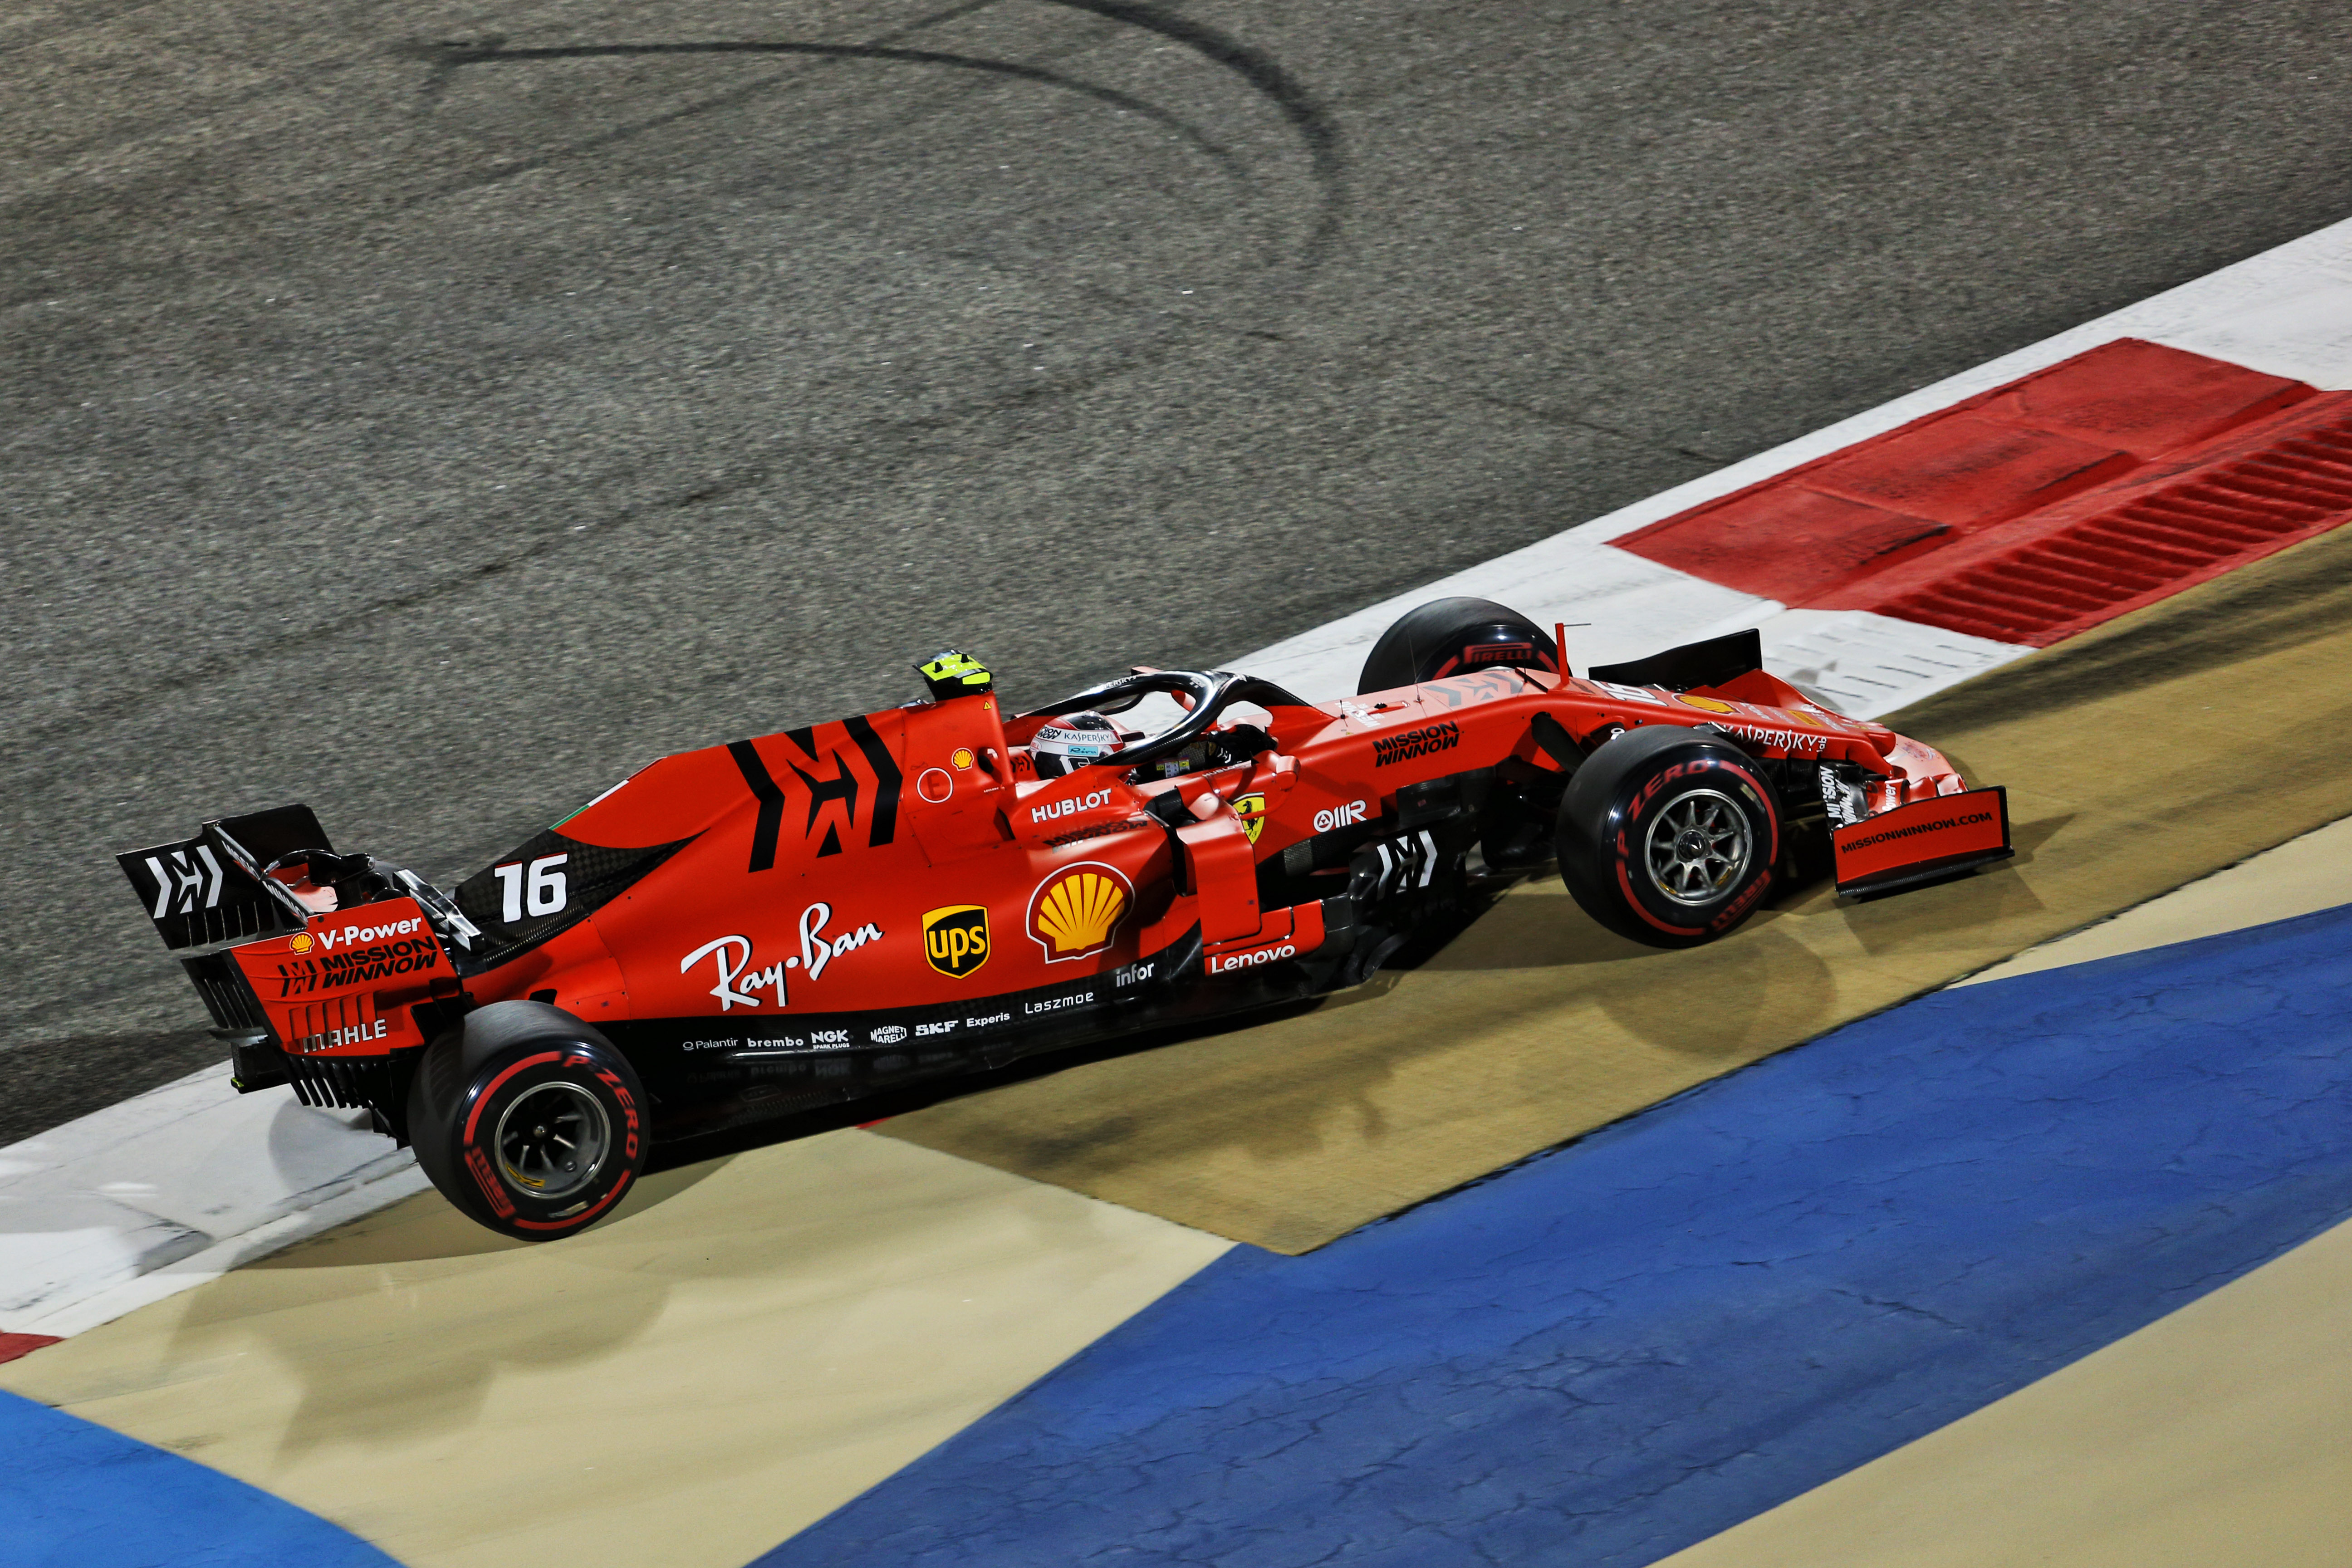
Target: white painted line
[[1868, 663], [151, 1187], [2287, 311], [149, 1196]]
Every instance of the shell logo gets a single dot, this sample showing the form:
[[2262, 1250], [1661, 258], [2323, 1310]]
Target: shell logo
[[1074, 911], [301, 943], [1705, 704]]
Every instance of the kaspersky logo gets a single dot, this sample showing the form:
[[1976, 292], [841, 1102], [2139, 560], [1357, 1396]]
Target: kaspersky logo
[[1074, 911], [955, 939]]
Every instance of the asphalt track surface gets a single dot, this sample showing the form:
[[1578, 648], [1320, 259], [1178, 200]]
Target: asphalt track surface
[[435, 415]]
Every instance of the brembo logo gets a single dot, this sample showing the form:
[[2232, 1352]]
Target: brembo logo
[[1420, 743]]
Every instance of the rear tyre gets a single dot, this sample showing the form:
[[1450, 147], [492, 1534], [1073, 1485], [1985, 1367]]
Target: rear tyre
[[527, 1121], [1455, 636], [1669, 837]]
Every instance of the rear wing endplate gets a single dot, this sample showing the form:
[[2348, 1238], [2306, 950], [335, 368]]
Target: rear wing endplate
[[209, 891]]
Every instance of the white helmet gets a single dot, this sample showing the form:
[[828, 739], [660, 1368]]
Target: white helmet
[[1073, 741]]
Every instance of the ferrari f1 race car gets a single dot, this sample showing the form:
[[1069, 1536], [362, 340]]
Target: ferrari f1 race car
[[783, 923]]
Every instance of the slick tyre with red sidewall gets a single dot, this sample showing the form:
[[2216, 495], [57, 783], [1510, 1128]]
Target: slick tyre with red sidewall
[[529, 1120], [1669, 836]]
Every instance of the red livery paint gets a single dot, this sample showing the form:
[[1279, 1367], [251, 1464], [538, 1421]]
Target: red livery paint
[[788, 920], [2039, 509], [1926, 838]]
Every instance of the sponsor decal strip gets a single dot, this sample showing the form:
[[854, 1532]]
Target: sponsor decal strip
[[885, 827], [1917, 827], [1429, 739], [772, 804]]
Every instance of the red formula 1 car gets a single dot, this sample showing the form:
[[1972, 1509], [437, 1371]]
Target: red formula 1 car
[[800, 918]]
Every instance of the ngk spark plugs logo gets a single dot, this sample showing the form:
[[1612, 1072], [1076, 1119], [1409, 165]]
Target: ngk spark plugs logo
[[955, 940], [1074, 911]]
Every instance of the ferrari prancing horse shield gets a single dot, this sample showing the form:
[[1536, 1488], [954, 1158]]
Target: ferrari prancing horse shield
[[1074, 911]]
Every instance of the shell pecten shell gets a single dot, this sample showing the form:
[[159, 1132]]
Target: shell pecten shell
[[1079, 911]]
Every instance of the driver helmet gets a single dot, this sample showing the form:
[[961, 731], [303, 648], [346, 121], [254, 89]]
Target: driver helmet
[[1073, 741]]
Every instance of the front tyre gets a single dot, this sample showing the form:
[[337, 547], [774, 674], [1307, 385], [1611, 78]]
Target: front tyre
[[1455, 636], [1668, 836], [529, 1120]]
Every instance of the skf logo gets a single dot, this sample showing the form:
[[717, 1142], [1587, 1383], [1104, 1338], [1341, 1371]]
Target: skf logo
[[1251, 809], [1074, 911], [955, 940]]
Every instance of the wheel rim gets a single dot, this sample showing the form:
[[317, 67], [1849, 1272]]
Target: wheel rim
[[1697, 849], [553, 1139]]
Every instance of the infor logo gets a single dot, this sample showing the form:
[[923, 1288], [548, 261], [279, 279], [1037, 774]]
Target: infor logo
[[955, 939]]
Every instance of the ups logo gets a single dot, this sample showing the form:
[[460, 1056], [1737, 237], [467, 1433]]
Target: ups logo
[[955, 939]]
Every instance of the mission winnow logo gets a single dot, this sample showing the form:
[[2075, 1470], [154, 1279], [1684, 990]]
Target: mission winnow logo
[[1412, 743]]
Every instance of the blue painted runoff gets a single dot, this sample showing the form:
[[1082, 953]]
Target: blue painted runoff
[[75, 1495], [1620, 1348]]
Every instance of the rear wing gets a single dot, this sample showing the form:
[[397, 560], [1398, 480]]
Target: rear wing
[[208, 891]]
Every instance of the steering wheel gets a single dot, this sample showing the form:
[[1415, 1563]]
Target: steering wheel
[[1210, 695]]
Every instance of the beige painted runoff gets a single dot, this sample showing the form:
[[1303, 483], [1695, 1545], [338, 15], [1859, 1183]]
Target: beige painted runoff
[[2142, 755], [2219, 1436], [2313, 872], [738, 1353]]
